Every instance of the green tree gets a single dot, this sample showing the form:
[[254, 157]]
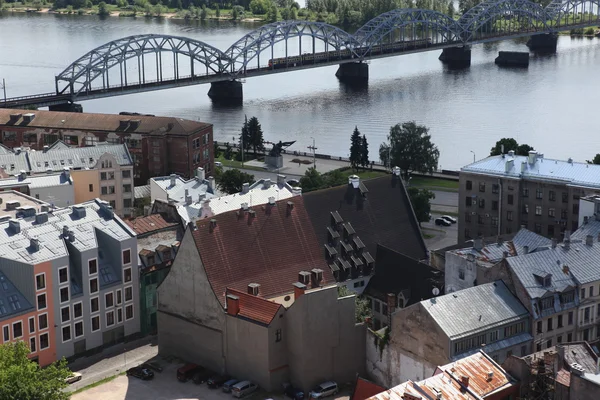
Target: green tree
[[362, 311], [451, 11], [237, 12], [203, 13], [245, 139], [273, 14], [23, 379], [259, 6], [102, 9], [312, 180], [411, 149], [228, 153], [524, 149], [509, 144], [421, 202], [355, 148], [364, 152], [257, 142], [232, 180], [595, 160], [217, 11]]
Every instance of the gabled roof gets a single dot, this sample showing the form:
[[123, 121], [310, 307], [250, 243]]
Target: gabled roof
[[363, 389], [255, 308], [384, 216], [270, 248], [57, 157]]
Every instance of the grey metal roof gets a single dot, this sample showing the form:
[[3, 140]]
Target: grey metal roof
[[545, 169], [592, 227], [499, 345], [37, 181], [140, 192], [57, 157], [14, 163], [12, 302], [475, 309]]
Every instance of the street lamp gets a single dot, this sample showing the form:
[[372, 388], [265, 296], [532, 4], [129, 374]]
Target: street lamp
[[313, 148], [473, 155]]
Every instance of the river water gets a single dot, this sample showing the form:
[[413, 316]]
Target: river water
[[551, 105]]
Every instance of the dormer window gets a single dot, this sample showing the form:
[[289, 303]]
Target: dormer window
[[547, 303], [567, 297]]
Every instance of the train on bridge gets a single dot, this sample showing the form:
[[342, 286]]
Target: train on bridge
[[347, 54]]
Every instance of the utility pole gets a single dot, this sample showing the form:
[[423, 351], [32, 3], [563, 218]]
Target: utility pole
[[4, 88], [313, 148]]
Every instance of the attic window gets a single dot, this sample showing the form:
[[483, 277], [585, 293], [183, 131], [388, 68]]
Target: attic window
[[166, 255], [547, 303]]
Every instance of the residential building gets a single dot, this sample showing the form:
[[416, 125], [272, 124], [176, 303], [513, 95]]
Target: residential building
[[447, 328], [398, 282], [250, 294], [476, 377], [351, 220], [55, 188], [567, 372], [480, 262], [158, 238], [158, 145], [76, 267], [499, 194]]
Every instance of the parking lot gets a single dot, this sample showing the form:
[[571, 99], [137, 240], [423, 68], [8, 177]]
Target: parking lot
[[165, 386]]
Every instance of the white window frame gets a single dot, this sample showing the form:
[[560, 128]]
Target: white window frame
[[13, 329], [97, 285], [132, 312], [130, 274], [47, 322], [33, 338], [75, 330], [97, 311], [61, 333], [68, 295], [38, 303], [68, 278], [97, 267], [125, 292], [61, 320], [81, 316], [119, 315], [92, 323], [29, 325], [45, 283], [40, 341], [106, 306], [106, 318], [123, 258], [117, 293], [5, 327]]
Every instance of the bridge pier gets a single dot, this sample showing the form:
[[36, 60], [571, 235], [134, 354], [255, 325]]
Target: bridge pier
[[353, 72], [543, 43], [458, 57], [512, 59], [230, 91], [67, 107]]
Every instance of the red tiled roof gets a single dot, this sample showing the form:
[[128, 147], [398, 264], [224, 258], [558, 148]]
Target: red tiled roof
[[563, 377], [150, 223], [365, 389], [269, 250], [255, 308]]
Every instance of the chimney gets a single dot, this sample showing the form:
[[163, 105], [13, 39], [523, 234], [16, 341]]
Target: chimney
[[554, 242], [354, 180], [281, 179], [391, 303], [14, 225], [46, 147], [299, 289], [253, 289], [201, 197], [41, 217], [504, 254], [296, 191], [266, 183], [532, 156], [200, 174], [71, 236], [233, 304], [187, 192], [34, 244], [511, 153], [316, 277], [245, 188], [22, 175], [107, 209], [523, 167], [478, 244], [499, 240], [589, 240], [67, 173], [490, 375], [304, 277], [65, 231], [525, 249], [188, 200], [585, 219], [290, 207], [271, 201], [502, 149], [79, 211], [213, 224], [464, 380], [570, 160], [508, 165], [211, 183], [173, 179], [251, 216]]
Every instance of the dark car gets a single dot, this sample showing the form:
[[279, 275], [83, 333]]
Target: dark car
[[442, 221], [217, 381], [153, 366], [187, 371], [294, 393], [202, 375], [140, 373]]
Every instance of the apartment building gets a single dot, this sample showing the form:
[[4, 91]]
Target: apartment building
[[75, 272], [159, 145], [499, 194], [55, 188]]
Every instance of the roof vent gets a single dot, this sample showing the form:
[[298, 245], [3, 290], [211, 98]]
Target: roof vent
[[71, 236], [290, 206], [525, 249], [251, 215], [244, 206], [105, 206], [46, 148], [589, 240], [12, 205], [296, 191], [511, 153], [490, 375], [253, 289], [316, 277], [65, 231], [79, 211], [34, 244], [245, 188], [464, 380], [266, 183], [213, 224], [200, 175], [396, 171], [509, 164], [41, 217], [354, 180], [304, 277], [570, 160], [281, 179], [14, 225], [532, 156], [272, 201], [173, 178], [523, 167]]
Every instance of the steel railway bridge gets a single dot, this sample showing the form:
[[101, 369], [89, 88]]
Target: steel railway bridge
[[152, 62]]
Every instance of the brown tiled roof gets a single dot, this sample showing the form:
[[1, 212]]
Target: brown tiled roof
[[150, 223], [255, 308], [270, 250], [365, 389], [102, 122], [385, 217]]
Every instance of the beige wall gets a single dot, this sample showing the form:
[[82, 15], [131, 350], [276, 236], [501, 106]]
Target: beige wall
[[82, 179]]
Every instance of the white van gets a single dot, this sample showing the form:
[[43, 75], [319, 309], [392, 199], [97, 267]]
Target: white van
[[323, 390], [243, 388]]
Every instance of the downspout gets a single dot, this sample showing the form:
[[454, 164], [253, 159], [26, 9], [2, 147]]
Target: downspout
[[500, 207]]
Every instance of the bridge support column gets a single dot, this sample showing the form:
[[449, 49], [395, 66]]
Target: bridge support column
[[458, 57], [512, 59], [353, 72], [68, 107], [543, 43], [230, 91]]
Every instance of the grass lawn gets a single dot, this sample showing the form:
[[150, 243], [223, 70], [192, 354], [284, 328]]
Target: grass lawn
[[428, 236], [237, 164], [434, 183], [368, 174]]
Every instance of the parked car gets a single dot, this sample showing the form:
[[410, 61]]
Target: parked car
[[243, 388], [74, 377], [323, 390], [442, 221], [293, 182], [152, 366], [293, 392], [227, 386], [202, 375], [186, 372], [218, 164], [140, 373], [216, 381], [449, 219]]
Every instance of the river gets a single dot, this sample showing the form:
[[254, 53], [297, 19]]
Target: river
[[549, 105]]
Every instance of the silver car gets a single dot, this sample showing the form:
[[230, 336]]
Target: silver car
[[243, 388], [323, 390]]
